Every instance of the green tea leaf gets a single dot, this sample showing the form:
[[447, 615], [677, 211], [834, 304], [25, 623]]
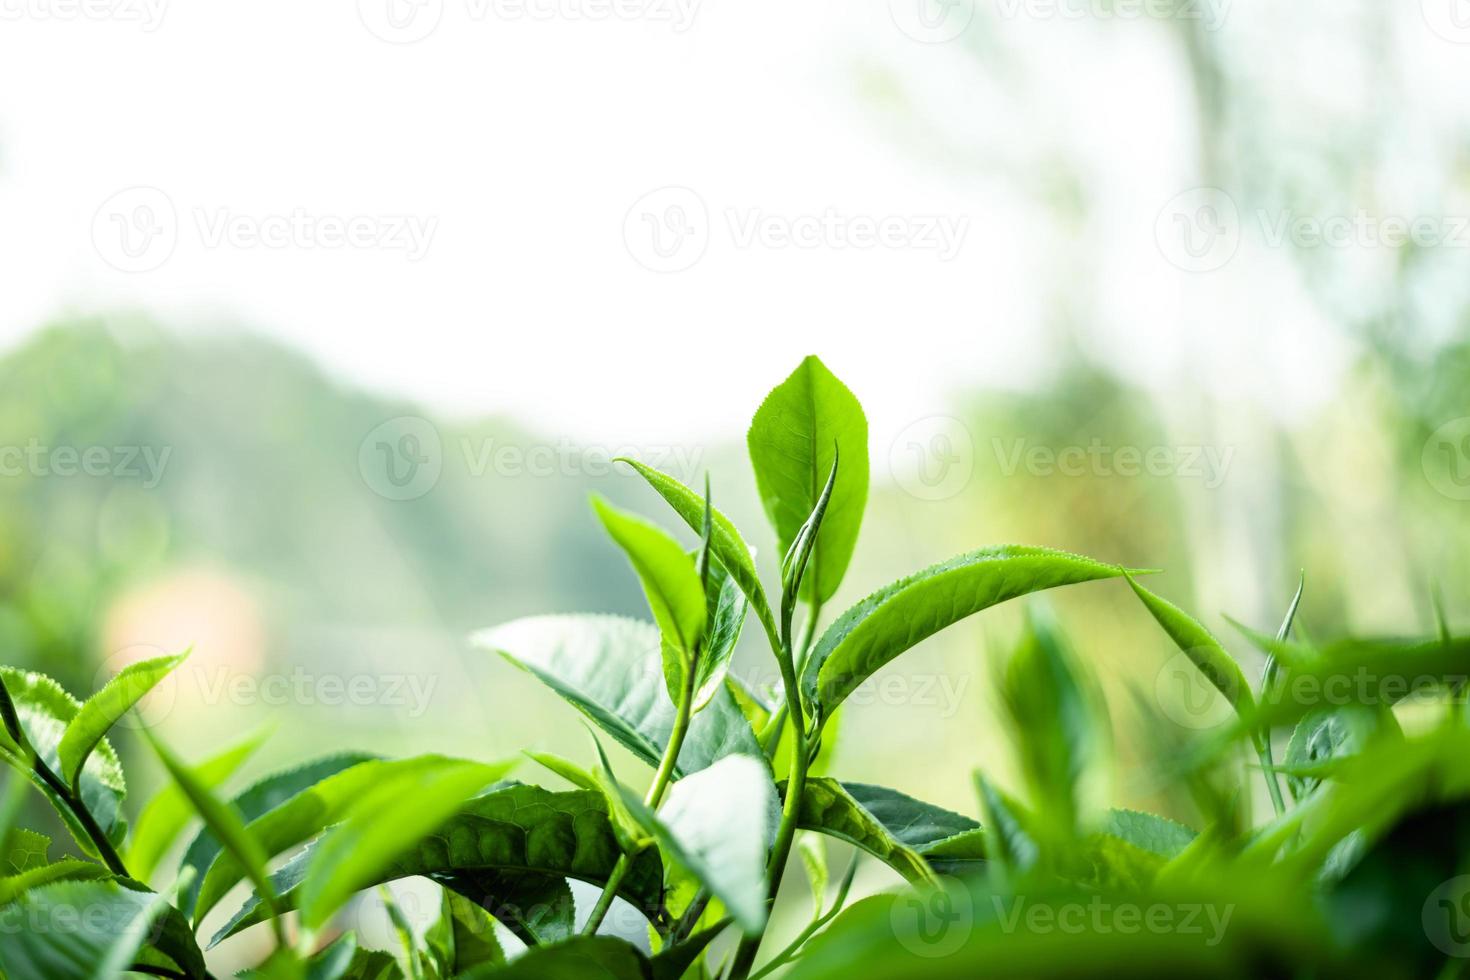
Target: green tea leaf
[[223, 820], [1156, 835], [793, 440], [463, 937], [827, 807], [101, 711], [610, 669], [726, 608], [718, 824], [1010, 841], [1203, 650], [725, 541], [520, 829], [1054, 713], [44, 711], [93, 931], [260, 798], [386, 821], [169, 812], [15, 885], [538, 909], [675, 594], [581, 958], [898, 616]]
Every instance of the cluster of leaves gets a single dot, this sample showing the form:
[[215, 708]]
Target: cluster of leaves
[[738, 783]]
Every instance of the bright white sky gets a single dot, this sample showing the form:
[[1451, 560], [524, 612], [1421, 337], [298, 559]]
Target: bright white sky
[[520, 145]]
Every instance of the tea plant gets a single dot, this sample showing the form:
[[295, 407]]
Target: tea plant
[[1354, 872]]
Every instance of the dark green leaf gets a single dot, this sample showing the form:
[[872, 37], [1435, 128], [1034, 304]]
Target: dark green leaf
[[91, 930]]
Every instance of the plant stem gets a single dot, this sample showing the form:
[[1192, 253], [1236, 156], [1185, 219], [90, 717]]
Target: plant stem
[[661, 780], [84, 817]]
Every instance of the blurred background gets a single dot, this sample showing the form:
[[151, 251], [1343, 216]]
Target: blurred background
[[319, 322]]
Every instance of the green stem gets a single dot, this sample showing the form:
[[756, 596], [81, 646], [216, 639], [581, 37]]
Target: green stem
[[661, 780]]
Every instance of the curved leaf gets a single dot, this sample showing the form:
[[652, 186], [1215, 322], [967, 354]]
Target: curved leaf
[[796, 434], [44, 711], [1202, 649], [260, 798], [827, 807], [675, 594], [93, 931], [169, 812], [103, 709], [521, 829], [582, 958], [727, 607], [383, 823], [16, 885], [725, 541], [898, 616], [538, 909], [1156, 835], [610, 669], [718, 824]]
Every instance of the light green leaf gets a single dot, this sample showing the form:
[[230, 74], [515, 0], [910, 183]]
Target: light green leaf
[[463, 937], [98, 945], [1054, 715], [16, 885], [262, 797], [389, 819], [1010, 841], [44, 711], [169, 812], [898, 616], [717, 824], [813, 851], [610, 669], [675, 594], [223, 820], [1156, 835], [1203, 650], [538, 909], [725, 541], [727, 607], [515, 829], [793, 439], [103, 709]]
